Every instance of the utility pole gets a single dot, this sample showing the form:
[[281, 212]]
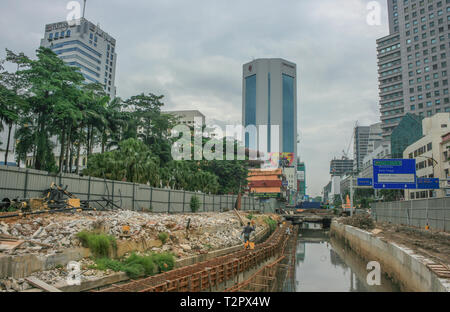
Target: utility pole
[[84, 8], [351, 194]]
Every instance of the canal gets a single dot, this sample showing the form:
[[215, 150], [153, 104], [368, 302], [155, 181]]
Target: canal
[[324, 264]]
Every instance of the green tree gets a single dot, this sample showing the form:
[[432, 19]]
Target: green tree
[[52, 110], [13, 87], [132, 162]]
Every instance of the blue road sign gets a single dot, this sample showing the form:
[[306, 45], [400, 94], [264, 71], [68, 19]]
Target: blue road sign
[[365, 182], [285, 183], [394, 174], [428, 183]]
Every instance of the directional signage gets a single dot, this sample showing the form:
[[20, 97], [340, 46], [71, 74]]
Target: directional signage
[[428, 183], [285, 183], [394, 174], [365, 182]]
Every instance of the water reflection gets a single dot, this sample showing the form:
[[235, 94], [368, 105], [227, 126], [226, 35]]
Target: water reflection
[[324, 264]]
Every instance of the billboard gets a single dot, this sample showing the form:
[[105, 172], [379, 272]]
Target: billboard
[[278, 160]]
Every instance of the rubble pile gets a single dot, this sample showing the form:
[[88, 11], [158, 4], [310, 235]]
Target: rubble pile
[[56, 232], [51, 234]]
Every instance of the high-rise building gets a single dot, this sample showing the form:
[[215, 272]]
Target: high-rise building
[[301, 179], [269, 98], [341, 167], [87, 47], [366, 140], [413, 61]]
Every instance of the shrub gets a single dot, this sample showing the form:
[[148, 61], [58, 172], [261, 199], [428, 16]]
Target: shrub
[[106, 263], [101, 245], [163, 236], [271, 223], [134, 261], [137, 266], [194, 204], [134, 270], [164, 261]]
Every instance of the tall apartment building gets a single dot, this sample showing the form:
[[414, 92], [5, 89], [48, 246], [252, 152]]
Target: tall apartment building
[[366, 140], [413, 61], [269, 97], [87, 47]]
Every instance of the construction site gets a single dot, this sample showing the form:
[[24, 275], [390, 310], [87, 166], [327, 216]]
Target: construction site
[[59, 242], [80, 234]]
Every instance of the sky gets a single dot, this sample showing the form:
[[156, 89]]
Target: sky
[[192, 52]]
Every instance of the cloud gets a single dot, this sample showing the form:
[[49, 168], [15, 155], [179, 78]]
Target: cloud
[[193, 51]]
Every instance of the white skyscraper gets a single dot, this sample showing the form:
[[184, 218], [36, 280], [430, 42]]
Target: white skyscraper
[[87, 47]]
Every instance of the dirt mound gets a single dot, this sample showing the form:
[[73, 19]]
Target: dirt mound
[[364, 222]]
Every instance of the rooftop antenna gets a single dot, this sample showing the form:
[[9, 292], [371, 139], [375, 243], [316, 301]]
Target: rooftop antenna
[[84, 8]]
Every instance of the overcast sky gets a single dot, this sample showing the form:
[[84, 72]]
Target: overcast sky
[[192, 52]]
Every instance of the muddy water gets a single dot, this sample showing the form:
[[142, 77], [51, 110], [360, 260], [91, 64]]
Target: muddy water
[[323, 265]]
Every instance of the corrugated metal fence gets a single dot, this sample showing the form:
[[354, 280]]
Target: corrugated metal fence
[[26, 183], [435, 212]]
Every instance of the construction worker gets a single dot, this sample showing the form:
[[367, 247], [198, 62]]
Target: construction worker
[[246, 232]]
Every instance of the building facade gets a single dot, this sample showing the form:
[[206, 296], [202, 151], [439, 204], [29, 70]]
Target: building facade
[[87, 47], [427, 152], [269, 98], [266, 183], [383, 150], [413, 61], [187, 117], [408, 131], [301, 179], [366, 140], [340, 167]]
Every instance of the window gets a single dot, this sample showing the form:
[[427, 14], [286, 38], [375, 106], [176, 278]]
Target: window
[[250, 108], [288, 117]]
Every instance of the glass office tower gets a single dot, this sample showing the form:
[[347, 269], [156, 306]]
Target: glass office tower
[[270, 99]]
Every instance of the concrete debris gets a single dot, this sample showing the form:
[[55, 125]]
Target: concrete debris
[[207, 231]]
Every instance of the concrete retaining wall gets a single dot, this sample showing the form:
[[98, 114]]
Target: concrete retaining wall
[[407, 269], [21, 266], [121, 276]]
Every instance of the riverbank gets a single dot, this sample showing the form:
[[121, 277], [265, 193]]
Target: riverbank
[[408, 268]]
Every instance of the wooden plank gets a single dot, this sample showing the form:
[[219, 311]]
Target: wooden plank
[[10, 244], [239, 216], [42, 285]]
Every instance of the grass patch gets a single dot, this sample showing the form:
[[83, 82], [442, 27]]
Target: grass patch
[[137, 266], [164, 261], [163, 236], [101, 245], [271, 223]]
